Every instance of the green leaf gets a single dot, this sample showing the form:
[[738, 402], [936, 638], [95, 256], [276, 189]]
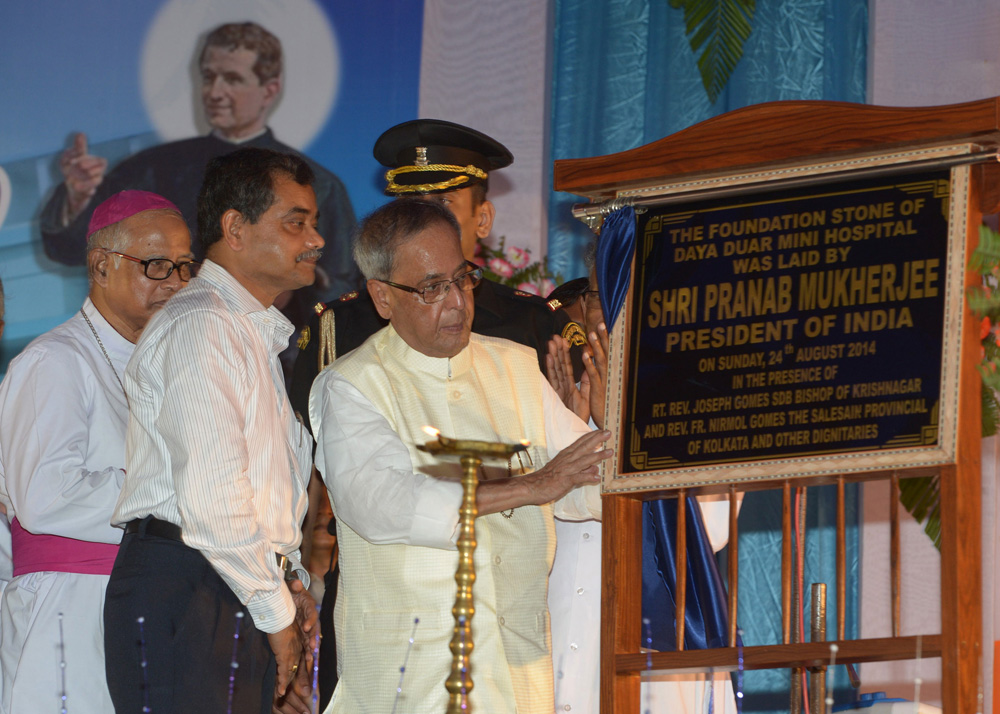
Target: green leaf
[[991, 412], [986, 257], [719, 28], [921, 497]]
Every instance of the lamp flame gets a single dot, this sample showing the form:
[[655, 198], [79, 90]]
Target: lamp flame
[[431, 431]]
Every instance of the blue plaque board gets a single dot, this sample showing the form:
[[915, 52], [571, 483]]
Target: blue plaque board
[[785, 328]]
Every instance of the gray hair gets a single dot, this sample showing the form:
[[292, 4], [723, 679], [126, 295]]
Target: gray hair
[[116, 239], [381, 233]]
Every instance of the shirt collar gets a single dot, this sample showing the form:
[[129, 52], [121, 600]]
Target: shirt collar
[[239, 299], [239, 142], [441, 367]]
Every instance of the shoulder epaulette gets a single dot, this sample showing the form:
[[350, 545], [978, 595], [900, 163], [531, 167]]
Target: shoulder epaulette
[[347, 297], [327, 351]]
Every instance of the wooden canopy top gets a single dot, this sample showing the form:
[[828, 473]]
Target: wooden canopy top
[[780, 134]]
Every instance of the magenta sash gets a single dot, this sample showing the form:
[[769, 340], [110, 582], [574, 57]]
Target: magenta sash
[[40, 553]]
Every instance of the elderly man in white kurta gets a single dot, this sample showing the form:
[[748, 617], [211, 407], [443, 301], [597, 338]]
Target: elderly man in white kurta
[[397, 508], [63, 414]]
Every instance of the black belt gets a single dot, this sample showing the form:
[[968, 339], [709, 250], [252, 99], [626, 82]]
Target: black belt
[[154, 527], [170, 531]]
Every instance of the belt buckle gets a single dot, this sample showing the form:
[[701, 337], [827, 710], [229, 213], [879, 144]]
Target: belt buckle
[[287, 567]]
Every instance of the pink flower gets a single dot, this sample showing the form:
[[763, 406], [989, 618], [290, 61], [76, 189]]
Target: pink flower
[[984, 328], [528, 288], [517, 257], [500, 267], [546, 287]]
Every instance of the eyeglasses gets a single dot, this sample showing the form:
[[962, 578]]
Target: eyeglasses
[[436, 292], [163, 268]]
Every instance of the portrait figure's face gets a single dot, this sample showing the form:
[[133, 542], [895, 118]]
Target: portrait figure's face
[[236, 101]]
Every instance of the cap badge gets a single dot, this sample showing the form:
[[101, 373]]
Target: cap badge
[[421, 156]]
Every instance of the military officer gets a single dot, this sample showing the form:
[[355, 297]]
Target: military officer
[[449, 164]]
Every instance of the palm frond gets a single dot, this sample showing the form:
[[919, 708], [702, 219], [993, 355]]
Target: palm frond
[[921, 497], [719, 29]]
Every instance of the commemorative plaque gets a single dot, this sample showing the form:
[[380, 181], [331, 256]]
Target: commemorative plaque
[[795, 332]]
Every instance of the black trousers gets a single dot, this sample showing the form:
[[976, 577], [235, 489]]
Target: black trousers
[[186, 637]]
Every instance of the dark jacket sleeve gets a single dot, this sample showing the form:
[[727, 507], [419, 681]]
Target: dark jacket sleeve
[[66, 245], [304, 372]]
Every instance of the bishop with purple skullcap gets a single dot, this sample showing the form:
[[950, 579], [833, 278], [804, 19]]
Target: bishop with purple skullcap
[[126, 204]]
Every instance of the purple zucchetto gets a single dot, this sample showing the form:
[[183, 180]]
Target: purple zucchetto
[[126, 204]]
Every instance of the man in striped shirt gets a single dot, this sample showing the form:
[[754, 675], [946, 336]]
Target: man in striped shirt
[[204, 610]]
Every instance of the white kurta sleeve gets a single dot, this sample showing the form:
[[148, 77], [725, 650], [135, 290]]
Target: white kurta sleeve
[[48, 414], [368, 472]]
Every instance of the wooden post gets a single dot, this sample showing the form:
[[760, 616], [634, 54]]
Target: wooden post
[[621, 601]]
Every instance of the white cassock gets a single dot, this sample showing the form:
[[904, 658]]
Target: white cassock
[[63, 415]]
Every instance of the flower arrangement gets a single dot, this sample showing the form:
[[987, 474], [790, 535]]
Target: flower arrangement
[[512, 266]]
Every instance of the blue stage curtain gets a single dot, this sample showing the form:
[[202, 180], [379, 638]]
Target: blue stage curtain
[[624, 75], [706, 615]]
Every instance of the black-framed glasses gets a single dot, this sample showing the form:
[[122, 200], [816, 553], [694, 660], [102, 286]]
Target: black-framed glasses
[[163, 268], [436, 292]]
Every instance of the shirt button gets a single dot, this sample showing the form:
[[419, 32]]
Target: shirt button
[[567, 707], [501, 620], [586, 536], [498, 560], [574, 647], [456, 394], [579, 591]]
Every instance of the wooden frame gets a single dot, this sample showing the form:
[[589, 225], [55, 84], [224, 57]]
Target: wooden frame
[[784, 142]]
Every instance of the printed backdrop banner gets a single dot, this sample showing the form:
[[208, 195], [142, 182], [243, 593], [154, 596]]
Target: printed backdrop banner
[[126, 74]]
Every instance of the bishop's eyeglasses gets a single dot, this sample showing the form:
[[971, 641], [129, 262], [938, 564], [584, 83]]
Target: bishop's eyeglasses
[[436, 292], [163, 268]]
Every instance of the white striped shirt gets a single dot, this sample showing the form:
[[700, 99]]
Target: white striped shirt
[[212, 444]]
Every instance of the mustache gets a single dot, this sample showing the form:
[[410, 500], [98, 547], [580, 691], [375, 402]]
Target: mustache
[[308, 255]]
